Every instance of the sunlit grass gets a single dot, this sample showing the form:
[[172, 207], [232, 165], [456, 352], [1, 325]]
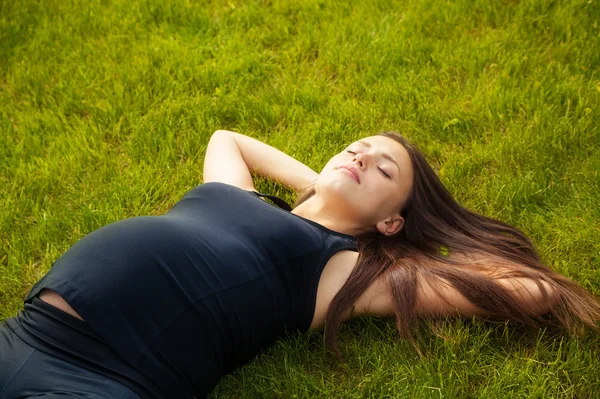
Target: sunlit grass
[[106, 108]]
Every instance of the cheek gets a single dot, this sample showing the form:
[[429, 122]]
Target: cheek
[[330, 166], [380, 199]]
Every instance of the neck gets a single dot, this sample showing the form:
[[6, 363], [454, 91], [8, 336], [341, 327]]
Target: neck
[[333, 219]]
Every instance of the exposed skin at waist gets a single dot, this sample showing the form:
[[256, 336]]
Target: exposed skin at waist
[[58, 302]]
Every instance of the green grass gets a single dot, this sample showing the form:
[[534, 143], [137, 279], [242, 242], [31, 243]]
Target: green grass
[[106, 108]]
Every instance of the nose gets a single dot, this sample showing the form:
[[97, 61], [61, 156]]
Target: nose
[[360, 159]]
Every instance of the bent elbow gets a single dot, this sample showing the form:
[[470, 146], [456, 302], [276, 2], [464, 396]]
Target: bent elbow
[[542, 301], [537, 297], [553, 296]]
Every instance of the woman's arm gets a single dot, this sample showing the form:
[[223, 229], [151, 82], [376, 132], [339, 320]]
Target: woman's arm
[[272, 163], [438, 297]]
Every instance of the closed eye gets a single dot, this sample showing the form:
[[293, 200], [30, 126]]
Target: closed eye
[[382, 171]]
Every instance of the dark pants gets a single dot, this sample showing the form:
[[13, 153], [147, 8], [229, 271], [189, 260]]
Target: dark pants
[[26, 372]]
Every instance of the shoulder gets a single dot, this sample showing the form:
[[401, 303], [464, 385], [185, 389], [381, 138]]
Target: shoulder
[[375, 300], [337, 269], [334, 275]]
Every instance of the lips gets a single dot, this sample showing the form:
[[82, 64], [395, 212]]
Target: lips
[[353, 171]]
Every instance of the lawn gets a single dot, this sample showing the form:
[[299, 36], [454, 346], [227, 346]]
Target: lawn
[[106, 108]]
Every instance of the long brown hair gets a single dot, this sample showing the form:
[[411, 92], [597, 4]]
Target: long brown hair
[[437, 237]]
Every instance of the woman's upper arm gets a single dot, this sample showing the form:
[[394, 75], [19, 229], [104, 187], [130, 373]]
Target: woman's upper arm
[[439, 298], [223, 162]]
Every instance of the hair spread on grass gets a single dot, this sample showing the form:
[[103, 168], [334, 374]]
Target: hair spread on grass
[[438, 238]]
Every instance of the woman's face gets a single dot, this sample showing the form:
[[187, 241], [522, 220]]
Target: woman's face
[[384, 181]]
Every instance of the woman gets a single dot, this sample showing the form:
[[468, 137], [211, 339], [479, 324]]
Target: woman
[[164, 306]]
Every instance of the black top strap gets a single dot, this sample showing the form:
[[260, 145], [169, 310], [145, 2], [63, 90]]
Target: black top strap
[[278, 201]]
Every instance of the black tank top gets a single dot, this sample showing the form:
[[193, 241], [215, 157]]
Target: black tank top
[[187, 296]]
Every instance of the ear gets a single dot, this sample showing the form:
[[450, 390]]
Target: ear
[[391, 225]]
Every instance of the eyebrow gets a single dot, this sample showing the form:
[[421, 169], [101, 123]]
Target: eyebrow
[[383, 154]]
